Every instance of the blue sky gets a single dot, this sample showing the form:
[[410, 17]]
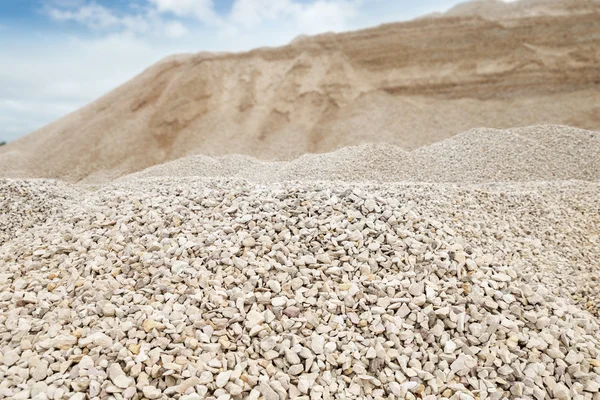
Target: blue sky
[[58, 55]]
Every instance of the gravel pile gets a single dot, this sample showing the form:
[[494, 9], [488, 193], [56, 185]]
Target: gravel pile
[[25, 204], [225, 289], [477, 156]]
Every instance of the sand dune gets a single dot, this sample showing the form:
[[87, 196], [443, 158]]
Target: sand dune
[[498, 9], [409, 84]]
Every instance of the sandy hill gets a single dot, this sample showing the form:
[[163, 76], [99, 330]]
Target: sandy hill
[[497, 9], [409, 84]]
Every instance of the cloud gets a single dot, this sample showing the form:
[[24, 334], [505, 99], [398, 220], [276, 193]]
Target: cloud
[[252, 12], [92, 15], [12, 105], [326, 15], [203, 10], [97, 17], [175, 29], [302, 16], [318, 16]]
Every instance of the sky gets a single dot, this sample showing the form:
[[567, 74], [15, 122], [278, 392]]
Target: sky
[[58, 55]]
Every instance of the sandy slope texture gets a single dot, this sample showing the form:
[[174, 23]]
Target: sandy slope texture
[[494, 9], [409, 84], [541, 153]]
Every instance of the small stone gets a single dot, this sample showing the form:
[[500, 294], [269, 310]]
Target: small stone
[[449, 347], [40, 371], [234, 390], [254, 318], [29, 298], [573, 357], [268, 343], [97, 339], [37, 388], [134, 348], [62, 342], [129, 392], [109, 310], [10, 358], [291, 357], [188, 383], [118, 377], [249, 242], [561, 392], [274, 285], [151, 392], [223, 378], [292, 311], [308, 260], [296, 369], [267, 391], [463, 364], [592, 386], [279, 301], [179, 266], [416, 289], [317, 344], [149, 324]]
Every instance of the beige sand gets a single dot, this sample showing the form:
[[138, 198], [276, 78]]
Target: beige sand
[[409, 84]]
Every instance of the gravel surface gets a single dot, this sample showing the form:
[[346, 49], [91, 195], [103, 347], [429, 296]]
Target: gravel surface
[[226, 289], [479, 155]]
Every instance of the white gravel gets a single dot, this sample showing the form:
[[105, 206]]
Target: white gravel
[[225, 289], [477, 156]]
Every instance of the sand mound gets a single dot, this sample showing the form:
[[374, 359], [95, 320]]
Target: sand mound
[[480, 155], [409, 84], [500, 9]]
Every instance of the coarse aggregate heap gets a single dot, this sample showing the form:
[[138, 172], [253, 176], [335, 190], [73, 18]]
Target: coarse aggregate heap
[[225, 289]]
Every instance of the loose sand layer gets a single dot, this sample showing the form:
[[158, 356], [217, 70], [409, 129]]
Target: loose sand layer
[[499, 9], [409, 84]]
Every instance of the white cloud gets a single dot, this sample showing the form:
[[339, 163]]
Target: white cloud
[[98, 17], [203, 10], [92, 15], [12, 105], [252, 12], [318, 16], [175, 29], [326, 16]]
